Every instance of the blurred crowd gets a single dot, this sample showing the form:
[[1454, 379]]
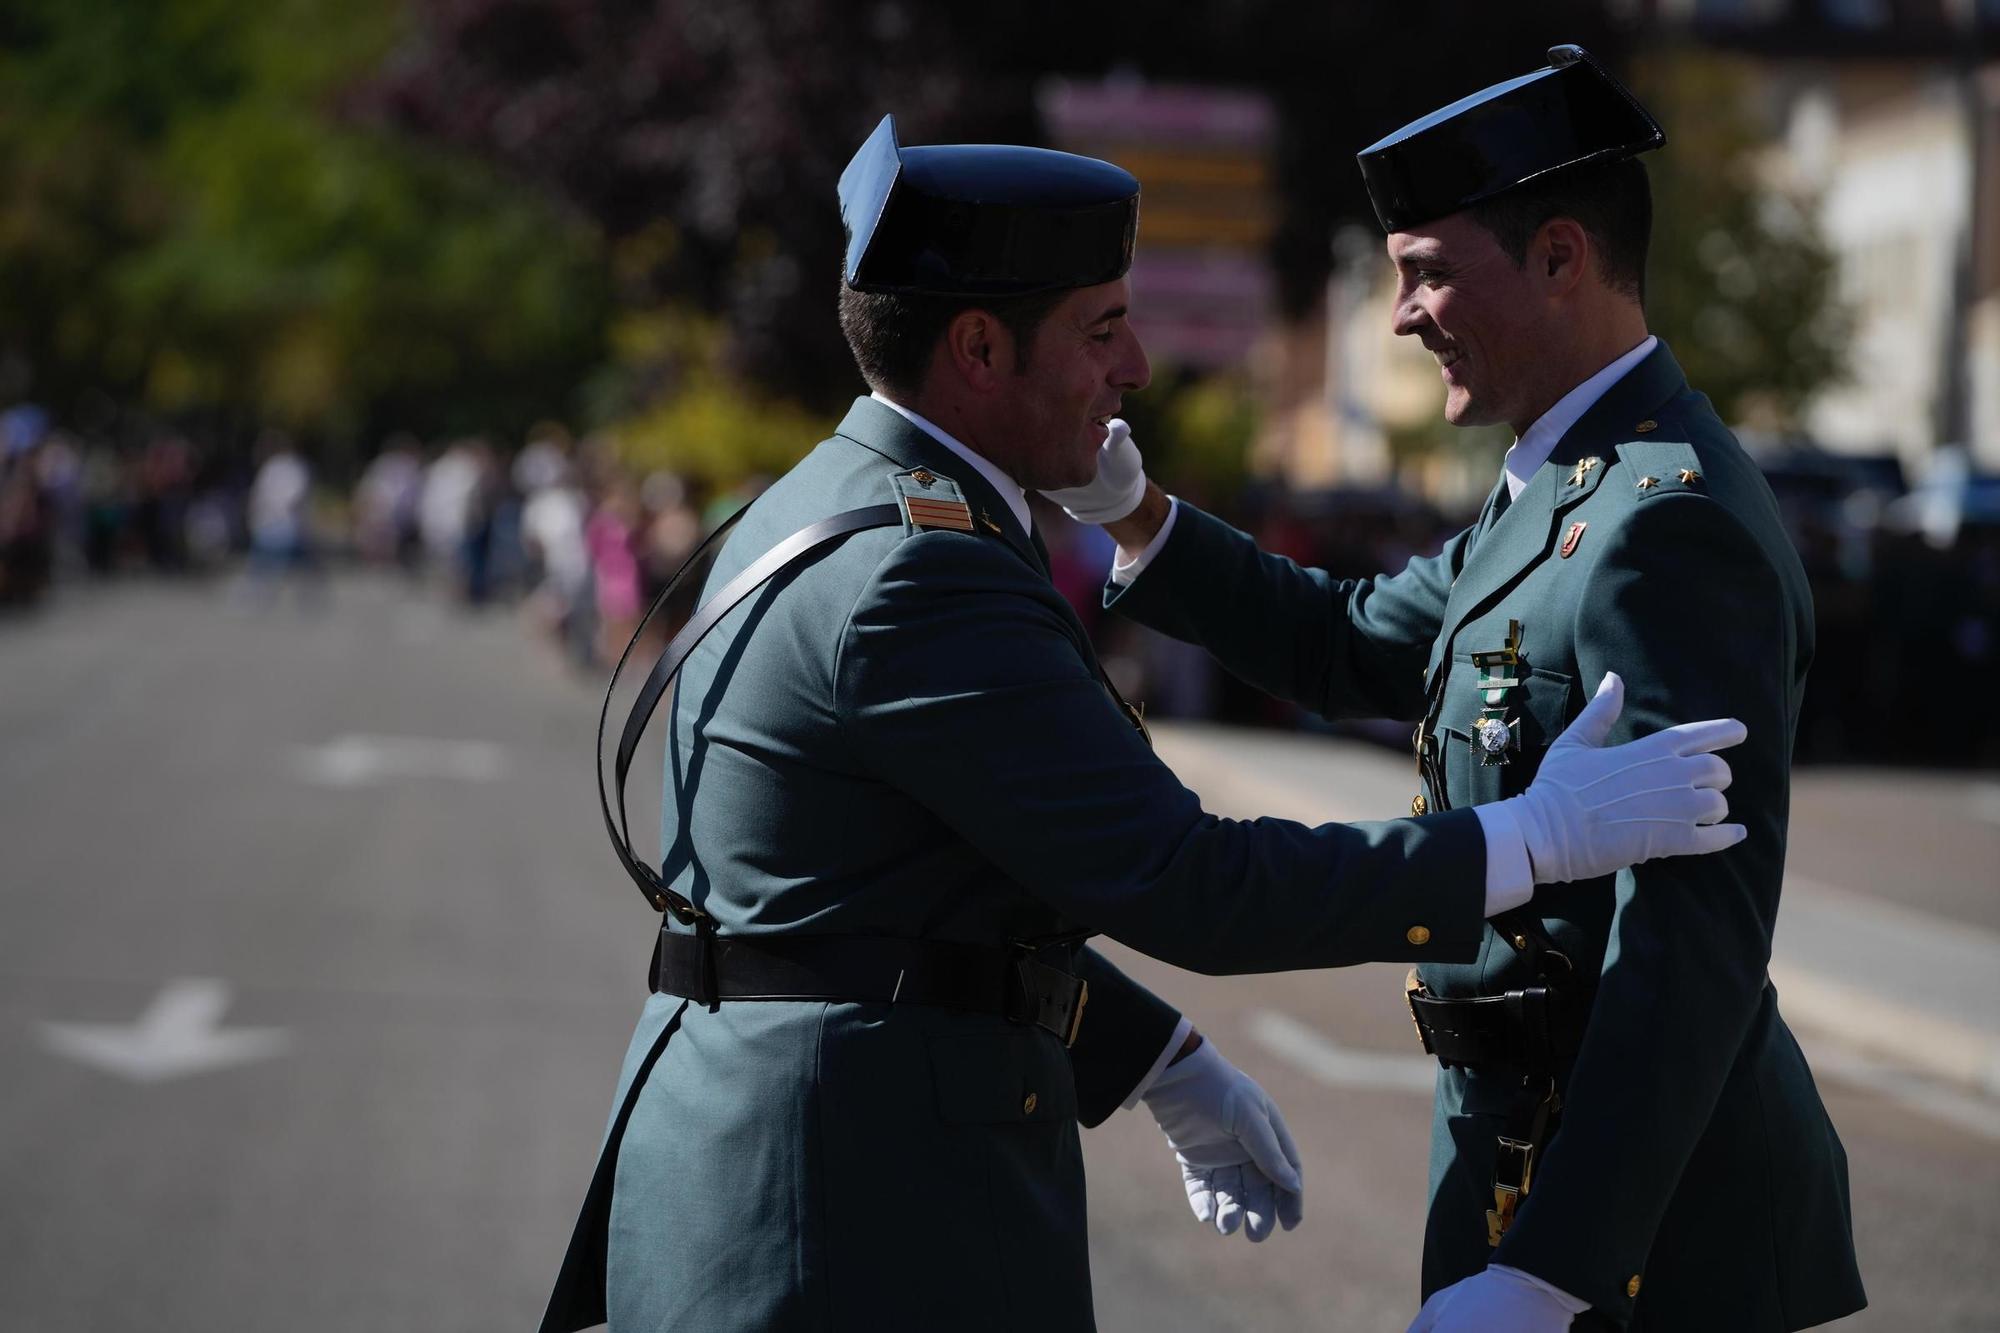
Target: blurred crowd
[[561, 529], [70, 506], [1906, 580], [582, 542]]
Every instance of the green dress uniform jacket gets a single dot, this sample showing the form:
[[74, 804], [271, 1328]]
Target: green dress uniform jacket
[[1694, 1160], [909, 736]]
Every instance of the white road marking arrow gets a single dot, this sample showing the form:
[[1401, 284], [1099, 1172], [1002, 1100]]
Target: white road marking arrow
[[1340, 1066], [179, 1034], [356, 761]]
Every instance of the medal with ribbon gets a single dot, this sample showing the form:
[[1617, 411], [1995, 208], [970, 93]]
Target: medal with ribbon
[[1494, 735]]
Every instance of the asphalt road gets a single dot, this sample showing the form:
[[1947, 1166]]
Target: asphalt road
[[315, 975]]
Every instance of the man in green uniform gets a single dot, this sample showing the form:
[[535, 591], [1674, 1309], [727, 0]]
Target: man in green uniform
[[900, 793], [1625, 1132]]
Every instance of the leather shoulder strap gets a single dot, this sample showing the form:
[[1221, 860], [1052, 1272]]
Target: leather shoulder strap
[[760, 571]]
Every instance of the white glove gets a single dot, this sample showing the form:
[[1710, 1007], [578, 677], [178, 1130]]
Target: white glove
[[1493, 1301], [1591, 811], [1118, 487], [1236, 1156]]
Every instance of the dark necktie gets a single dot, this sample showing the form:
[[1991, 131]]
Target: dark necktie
[[1496, 505]]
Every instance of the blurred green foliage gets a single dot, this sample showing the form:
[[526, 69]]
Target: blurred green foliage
[[1741, 284], [189, 226], [357, 216], [1197, 429], [706, 423]]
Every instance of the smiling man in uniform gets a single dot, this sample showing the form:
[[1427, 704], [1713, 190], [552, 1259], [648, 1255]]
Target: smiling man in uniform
[[1625, 1133]]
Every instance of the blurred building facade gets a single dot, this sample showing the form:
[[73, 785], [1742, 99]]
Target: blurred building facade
[[1905, 158]]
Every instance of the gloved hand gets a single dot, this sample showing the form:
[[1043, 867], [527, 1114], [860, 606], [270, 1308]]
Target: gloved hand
[[1591, 811], [1491, 1301], [1236, 1156], [1119, 486]]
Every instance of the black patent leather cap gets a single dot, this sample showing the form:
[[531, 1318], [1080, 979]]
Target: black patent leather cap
[[983, 219], [1572, 112]]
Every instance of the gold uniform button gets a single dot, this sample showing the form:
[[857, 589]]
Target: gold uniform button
[[1632, 1286], [1029, 1103], [1418, 934], [1419, 806], [1646, 427]]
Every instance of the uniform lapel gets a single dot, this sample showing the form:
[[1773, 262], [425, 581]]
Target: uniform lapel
[[1525, 534], [887, 432], [1517, 539]]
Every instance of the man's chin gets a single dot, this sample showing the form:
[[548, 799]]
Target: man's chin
[[1082, 474], [1461, 410]]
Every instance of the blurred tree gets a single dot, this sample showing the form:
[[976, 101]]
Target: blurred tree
[[706, 140], [1197, 430], [1741, 283], [705, 425], [187, 225], [203, 213]]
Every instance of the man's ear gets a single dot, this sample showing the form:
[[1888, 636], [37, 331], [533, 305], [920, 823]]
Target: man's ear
[[1561, 255], [979, 349]]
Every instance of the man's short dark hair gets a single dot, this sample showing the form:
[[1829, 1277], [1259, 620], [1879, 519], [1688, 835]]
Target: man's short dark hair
[[1612, 201], [892, 334]]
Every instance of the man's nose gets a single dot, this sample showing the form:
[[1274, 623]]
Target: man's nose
[[1408, 317], [1133, 371]]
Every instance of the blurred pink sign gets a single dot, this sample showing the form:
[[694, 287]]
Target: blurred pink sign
[[1202, 285]]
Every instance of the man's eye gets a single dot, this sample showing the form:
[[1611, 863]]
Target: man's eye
[[1103, 337], [1430, 277]]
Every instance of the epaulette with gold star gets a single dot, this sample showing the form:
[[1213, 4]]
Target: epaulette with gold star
[[1661, 467]]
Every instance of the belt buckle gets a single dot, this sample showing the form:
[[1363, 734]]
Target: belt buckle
[[1054, 998], [1076, 1012], [1412, 986], [1513, 1170]]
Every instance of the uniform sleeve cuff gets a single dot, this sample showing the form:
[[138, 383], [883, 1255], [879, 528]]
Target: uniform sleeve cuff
[[1145, 1085], [1510, 879], [1124, 571], [1568, 1302]]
